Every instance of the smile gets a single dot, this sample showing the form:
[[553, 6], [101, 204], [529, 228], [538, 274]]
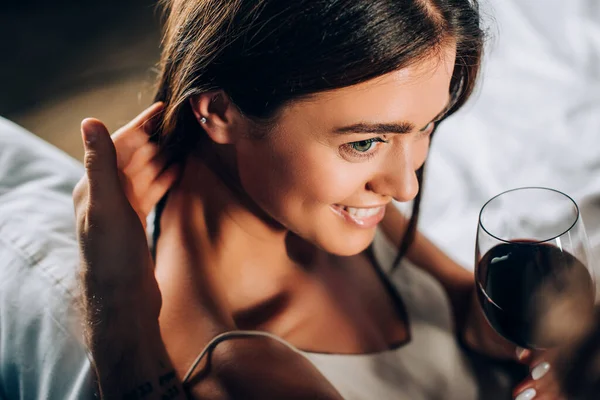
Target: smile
[[364, 217]]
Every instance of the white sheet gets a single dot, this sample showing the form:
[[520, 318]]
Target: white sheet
[[535, 121]]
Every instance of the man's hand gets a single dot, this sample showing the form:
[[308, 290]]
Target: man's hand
[[120, 296]]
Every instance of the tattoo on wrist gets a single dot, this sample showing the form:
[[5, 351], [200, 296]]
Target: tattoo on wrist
[[147, 389], [166, 378], [140, 392], [171, 393]]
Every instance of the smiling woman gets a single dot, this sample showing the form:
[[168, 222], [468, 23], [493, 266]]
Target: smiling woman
[[296, 125], [291, 128]]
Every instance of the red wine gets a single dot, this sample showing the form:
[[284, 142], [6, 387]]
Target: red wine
[[522, 284]]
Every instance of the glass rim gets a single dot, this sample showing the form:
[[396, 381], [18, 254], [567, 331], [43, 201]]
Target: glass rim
[[533, 242]]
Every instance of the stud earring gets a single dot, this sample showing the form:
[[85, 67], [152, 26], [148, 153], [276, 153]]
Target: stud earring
[[203, 120]]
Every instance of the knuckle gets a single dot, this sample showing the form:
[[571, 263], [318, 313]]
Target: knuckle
[[80, 190], [90, 161]]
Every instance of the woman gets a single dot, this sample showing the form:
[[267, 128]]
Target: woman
[[289, 129]]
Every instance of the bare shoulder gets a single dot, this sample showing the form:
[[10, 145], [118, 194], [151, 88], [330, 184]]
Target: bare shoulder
[[259, 368]]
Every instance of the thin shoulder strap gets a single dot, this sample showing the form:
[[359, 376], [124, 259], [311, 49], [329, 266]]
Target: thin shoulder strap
[[233, 335]]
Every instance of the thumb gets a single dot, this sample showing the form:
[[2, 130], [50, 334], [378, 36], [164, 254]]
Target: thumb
[[100, 163], [523, 356]]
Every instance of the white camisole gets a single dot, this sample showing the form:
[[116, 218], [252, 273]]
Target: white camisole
[[431, 366]]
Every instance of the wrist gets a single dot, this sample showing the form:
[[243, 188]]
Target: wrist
[[130, 359]]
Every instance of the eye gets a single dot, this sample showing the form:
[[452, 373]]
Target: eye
[[363, 148], [364, 145]]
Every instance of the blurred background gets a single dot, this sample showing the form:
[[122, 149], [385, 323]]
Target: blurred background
[[65, 60]]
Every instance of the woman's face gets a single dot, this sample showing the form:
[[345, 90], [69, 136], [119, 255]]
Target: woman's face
[[332, 163]]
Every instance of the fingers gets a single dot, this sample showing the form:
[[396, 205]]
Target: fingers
[[104, 185], [541, 385], [526, 394], [524, 356], [143, 156], [146, 173], [159, 188], [144, 181], [131, 137], [125, 171]]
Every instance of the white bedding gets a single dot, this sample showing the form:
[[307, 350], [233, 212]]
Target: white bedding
[[534, 122]]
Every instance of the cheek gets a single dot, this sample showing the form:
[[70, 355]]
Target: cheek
[[321, 176], [296, 178]]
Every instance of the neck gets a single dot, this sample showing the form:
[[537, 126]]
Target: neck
[[222, 243]]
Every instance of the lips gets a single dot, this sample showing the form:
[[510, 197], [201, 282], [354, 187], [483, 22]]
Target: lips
[[364, 217]]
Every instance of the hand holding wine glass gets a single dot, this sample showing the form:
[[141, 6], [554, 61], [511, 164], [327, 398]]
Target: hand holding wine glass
[[532, 263]]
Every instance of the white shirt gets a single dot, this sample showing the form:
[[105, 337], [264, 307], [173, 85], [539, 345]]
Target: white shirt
[[41, 351]]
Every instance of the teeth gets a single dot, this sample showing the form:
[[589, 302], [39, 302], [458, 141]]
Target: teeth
[[362, 212]]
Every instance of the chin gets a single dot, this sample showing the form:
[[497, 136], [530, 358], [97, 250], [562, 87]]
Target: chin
[[344, 243]]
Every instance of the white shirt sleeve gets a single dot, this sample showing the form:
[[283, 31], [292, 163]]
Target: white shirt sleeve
[[41, 351], [42, 355]]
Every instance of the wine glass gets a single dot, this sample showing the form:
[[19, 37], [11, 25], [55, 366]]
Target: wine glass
[[534, 278]]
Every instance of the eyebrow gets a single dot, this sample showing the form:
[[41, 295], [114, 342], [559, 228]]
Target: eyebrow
[[401, 128]]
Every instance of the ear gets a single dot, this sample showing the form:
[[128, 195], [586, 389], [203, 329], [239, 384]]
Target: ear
[[218, 116]]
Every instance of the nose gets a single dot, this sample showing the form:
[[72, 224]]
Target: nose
[[397, 179]]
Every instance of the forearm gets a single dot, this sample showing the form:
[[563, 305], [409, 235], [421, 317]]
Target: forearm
[[129, 358]]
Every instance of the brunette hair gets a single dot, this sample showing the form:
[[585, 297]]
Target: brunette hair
[[265, 54]]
